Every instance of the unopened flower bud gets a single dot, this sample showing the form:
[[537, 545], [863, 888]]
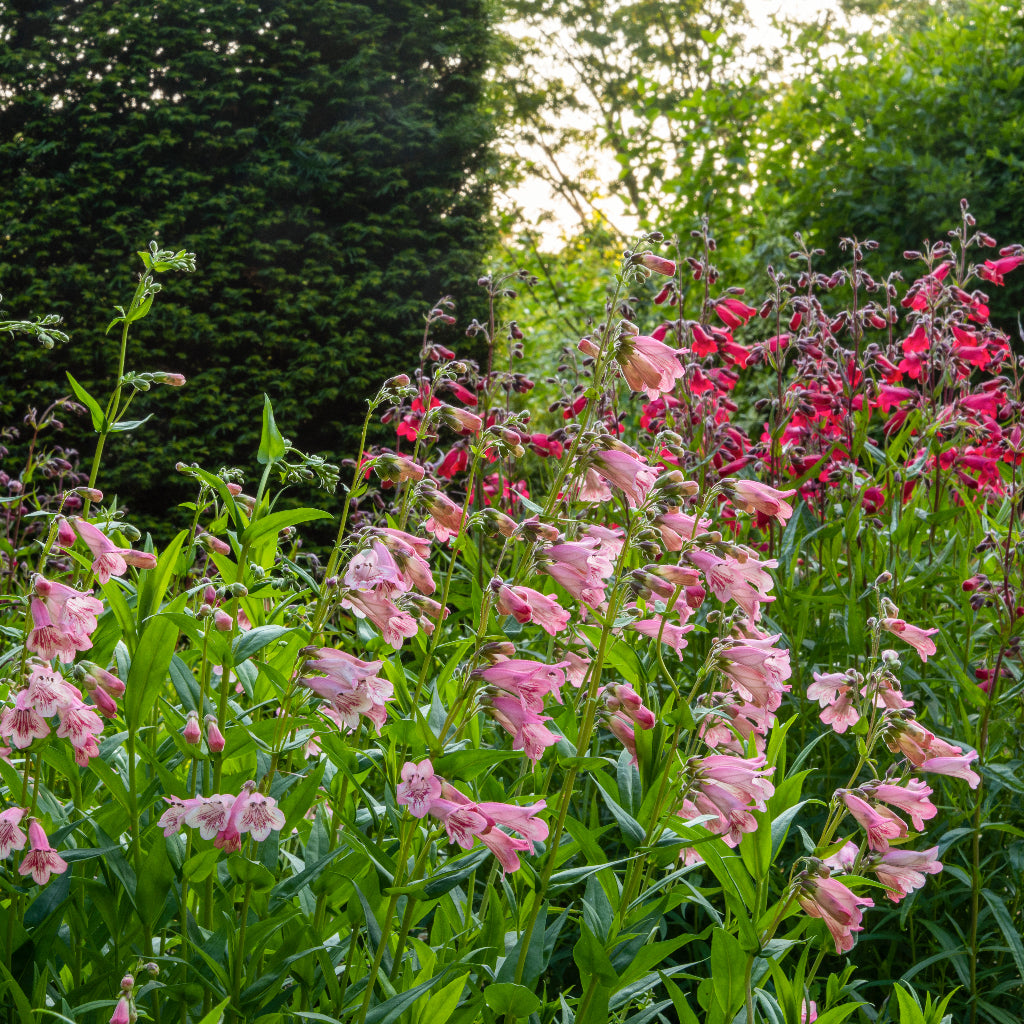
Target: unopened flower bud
[[656, 264], [65, 533], [222, 621], [214, 737], [191, 733], [498, 650]]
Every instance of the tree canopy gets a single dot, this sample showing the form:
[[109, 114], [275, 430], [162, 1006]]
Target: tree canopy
[[328, 161]]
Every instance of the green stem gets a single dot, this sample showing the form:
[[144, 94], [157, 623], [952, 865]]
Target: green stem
[[408, 828]]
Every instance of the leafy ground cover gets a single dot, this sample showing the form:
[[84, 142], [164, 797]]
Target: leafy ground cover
[[680, 682]]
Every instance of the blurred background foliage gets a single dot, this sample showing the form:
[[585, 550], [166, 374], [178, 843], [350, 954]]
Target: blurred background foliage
[[336, 167], [330, 163], [340, 166]]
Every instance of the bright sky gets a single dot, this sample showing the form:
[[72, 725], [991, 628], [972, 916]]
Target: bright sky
[[535, 197]]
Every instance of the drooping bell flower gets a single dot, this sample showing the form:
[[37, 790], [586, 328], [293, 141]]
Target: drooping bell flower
[[42, 860], [108, 559], [832, 902]]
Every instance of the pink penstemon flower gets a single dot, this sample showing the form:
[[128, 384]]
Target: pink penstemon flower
[[835, 693], [677, 527], [919, 639], [527, 605], [627, 471], [395, 624], [580, 568], [49, 641], [733, 722], [831, 901], [624, 712], [911, 798], [730, 579], [671, 634], [525, 726], [752, 496], [419, 788], [756, 670], [903, 871], [42, 860], [11, 836], [880, 823], [108, 559], [466, 821], [446, 518], [23, 724], [48, 691], [375, 569], [72, 611], [530, 681], [729, 788], [926, 751], [648, 365], [352, 687]]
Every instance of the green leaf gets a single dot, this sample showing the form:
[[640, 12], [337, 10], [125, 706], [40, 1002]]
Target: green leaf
[[150, 664], [391, 1009], [1011, 931], [99, 421], [21, 1003], [245, 645], [153, 883], [216, 1015], [250, 872], [277, 521], [728, 964], [127, 426], [272, 447], [200, 865], [155, 583], [592, 959], [505, 997]]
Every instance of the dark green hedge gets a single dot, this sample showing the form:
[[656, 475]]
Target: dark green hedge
[[329, 163]]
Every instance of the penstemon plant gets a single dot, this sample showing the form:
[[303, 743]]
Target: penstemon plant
[[583, 724]]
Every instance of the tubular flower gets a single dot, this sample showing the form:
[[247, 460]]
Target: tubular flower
[[42, 860], [903, 871], [926, 751], [729, 788], [395, 625], [108, 559], [11, 837], [73, 611], [919, 639], [880, 823], [419, 788], [832, 902], [525, 726], [648, 365], [527, 605], [835, 692], [912, 799], [465, 821], [529, 681], [627, 472], [352, 687], [752, 496]]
